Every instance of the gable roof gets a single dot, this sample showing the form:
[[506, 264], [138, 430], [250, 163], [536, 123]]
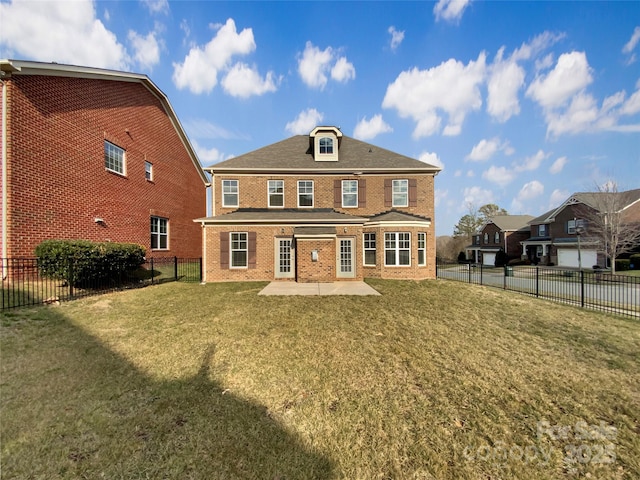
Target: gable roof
[[21, 67], [295, 154], [510, 223]]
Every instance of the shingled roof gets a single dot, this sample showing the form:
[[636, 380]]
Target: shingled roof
[[296, 154], [511, 223]]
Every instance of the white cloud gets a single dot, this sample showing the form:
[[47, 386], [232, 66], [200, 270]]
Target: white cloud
[[485, 149], [470, 173], [506, 78], [209, 156], [343, 70], [62, 32], [396, 37], [500, 175], [570, 76], [531, 163], [200, 128], [314, 65], [440, 195], [630, 46], [558, 165], [306, 121], [536, 46], [146, 49], [477, 196], [451, 87], [458, 173], [631, 106], [368, 129], [431, 159], [450, 10], [157, 6], [557, 198], [531, 190], [544, 62], [199, 70], [244, 81]]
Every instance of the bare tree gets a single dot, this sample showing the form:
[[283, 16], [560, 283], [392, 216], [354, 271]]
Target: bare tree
[[608, 217]]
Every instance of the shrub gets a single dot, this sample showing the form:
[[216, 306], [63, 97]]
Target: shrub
[[84, 263], [462, 258], [622, 264], [501, 258]]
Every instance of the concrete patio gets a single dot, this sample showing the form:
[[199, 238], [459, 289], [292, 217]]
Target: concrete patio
[[334, 288]]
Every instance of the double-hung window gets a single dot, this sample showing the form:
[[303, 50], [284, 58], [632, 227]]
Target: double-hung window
[[159, 233], [239, 250], [326, 145], [486, 238], [400, 192], [542, 230], [276, 193], [229, 193], [397, 249], [114, 158], [496, 237], [305, 193], [573, 226], [369, 248], [422, 248], [148, 171], [349, 193]]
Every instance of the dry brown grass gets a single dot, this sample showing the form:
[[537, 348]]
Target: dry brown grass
[[432, 379]]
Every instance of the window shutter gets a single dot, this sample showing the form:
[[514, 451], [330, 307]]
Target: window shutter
[[224, 250], [388, 199], [252, 249], [362, 193], [337, 193], [413, 192]]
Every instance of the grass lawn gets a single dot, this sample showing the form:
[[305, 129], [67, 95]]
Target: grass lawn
[[432, 379]]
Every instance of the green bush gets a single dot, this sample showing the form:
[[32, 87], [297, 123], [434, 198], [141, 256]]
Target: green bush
[[635, 261], [85, 263], [622, 264]]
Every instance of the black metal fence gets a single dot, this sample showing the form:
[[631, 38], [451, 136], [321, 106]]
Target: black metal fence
[[595, 290], [24, 285]]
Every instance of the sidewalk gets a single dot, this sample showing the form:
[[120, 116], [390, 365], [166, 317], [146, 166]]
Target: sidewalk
[[335, 288]]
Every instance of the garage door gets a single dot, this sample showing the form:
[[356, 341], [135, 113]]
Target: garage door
[[488, 258], [568, 257]]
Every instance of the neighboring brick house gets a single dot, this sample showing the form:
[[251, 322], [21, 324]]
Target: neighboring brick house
[[502, 232], [320, 208], [554, 235], [95, 154]]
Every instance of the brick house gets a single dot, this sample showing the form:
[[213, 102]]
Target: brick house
[[95, 154], [553, 236], [502, 232], [320, 208]]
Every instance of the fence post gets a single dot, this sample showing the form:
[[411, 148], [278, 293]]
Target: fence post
[[152, 271], [200, 262], [504, 278], [469, 269], [537, 281], [582, 288], [70, 277], [175, 268], [480, 274]]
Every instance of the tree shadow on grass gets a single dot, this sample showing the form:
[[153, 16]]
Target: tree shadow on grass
[[73, 408]]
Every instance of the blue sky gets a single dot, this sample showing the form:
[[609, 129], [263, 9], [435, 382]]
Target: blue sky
[[521, 103]]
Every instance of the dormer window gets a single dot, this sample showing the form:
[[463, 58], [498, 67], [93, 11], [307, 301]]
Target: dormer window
[[326, 145]]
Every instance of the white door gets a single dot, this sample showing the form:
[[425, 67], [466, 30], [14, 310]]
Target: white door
[[568, 257], [488, 258], [345, 266], [284, 258]]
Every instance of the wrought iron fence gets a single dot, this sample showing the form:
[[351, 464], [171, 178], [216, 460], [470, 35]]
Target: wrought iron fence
[[597, 290], [24, 284]]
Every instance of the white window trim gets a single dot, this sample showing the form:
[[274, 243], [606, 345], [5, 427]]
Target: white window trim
[[158, 234], [349, 193], [150, 170], [423, 249], [269, 194], [397, 249], [542, 230], [124, 159], [326, 157], [393, 193], [313, 200], [231, 250], [365, 249], [237, 193], [496, 237]]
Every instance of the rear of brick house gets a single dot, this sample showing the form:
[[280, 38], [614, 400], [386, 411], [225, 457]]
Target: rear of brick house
[[321, 207], [98, 155]]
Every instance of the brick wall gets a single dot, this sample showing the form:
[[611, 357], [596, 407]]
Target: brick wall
[[57, 180]]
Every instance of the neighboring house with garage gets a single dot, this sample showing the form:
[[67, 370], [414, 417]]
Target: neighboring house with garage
[[320, 208], [554, 235], [95, 154], [502, 232]]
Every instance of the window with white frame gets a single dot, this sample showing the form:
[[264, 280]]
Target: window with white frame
[[114, 159], [159, 233], [422, 248], [574, 225], [326, 145], [486, 238], [397, 249], [239, 250], [369, 248], [276, 193], [305, 193], [542, 230], [400, 193], [349, 193], [496, 237], [148, 171], [229, 193]]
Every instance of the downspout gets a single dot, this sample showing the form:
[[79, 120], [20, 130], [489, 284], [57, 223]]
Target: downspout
[[4, 179]]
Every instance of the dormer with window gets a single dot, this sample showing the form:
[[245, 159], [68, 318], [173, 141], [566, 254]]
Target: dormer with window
[[325, 143]]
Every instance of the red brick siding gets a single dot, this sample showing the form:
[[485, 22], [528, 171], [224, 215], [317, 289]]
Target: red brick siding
[[58, 182]]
